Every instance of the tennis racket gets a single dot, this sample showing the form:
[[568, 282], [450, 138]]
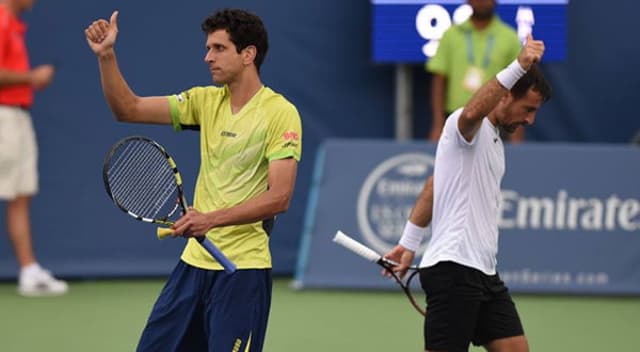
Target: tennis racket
[[371, 255], [143, 180]]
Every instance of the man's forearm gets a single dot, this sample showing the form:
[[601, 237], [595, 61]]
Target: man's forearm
[[11, 78], [479, 106], [420, 218], [117, 93], [423, 209], [484, 100], [264, 206]]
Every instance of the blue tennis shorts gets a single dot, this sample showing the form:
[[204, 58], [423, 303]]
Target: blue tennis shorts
[[210, 310]]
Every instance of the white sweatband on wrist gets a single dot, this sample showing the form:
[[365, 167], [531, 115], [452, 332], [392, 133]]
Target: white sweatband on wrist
[[412, 236], [511, 74]]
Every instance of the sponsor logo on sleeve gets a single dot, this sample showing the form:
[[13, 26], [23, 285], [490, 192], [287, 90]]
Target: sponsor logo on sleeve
[[291, 139], [291, 136], [182, 97]]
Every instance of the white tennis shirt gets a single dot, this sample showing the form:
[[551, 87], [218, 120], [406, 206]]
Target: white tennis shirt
[[466, 197]]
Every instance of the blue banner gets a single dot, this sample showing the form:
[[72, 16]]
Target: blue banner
[[569, 221], [410, 30]]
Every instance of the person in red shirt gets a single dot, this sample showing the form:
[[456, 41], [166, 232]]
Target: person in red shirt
[[18, 148]]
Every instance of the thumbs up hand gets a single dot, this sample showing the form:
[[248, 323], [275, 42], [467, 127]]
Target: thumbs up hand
[[101, 35], [531, 52]]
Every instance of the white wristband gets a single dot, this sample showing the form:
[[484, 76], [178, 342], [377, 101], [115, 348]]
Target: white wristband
[[511, 74], [412, 236]]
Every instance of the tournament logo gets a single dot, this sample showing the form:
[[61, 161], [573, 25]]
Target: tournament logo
[[387, 197]]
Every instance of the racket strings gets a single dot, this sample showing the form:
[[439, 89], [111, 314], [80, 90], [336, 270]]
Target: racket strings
[[160, 185], [127, 174], [152, 186], [149, 192], [142, 181], [124, 169]]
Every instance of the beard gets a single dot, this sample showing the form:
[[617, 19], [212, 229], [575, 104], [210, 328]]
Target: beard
[[510, 128], [505, 125]]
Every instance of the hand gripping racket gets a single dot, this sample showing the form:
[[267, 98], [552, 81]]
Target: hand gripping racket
[[143, 180], [369, 254]]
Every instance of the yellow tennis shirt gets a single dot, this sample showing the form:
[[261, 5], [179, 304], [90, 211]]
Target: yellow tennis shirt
[[235, 151]]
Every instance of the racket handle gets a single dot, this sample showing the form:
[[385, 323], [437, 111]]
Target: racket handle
[[228, 265], [356, 247], [164, 232]]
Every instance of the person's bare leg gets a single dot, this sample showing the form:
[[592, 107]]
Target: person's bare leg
[[33, 280], [19, 228], [508, 344]]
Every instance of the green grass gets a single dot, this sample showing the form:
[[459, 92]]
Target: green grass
[[94, 316], [109, 315]]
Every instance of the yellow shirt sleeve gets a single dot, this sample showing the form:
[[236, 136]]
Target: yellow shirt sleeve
[[284, 139], [185, 108]]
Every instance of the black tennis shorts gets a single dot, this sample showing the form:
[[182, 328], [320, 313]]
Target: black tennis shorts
[[465, 305]]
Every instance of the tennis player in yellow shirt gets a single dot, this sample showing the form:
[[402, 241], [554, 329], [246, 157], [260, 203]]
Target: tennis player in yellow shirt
[[250, 141]]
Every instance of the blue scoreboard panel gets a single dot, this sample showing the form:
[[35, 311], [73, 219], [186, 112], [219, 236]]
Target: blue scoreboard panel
[[408, 31]]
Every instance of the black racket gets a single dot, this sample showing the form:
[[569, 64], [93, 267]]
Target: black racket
[[371, 255], [143, 180]]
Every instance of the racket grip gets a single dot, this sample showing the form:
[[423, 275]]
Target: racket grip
[[229, 267], [164, 232], [358, 248], [227, 264]]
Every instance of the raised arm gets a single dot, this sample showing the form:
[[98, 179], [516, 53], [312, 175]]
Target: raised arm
[[124, 103], [489, 95]]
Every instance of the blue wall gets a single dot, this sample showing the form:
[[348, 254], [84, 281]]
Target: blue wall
[[552, 233], [319, 59]]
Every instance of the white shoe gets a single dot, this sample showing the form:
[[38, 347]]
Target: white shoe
[[40, 282]]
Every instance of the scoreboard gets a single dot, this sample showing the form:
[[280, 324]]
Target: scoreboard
[[409, 31]]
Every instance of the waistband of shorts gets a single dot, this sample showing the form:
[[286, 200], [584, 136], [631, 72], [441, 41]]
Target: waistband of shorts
[[17, 107]]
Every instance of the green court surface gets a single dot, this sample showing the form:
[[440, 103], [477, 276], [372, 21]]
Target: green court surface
[[108, 316]]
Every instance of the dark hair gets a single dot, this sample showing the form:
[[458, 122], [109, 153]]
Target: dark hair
[[244, 29], [533, 79]]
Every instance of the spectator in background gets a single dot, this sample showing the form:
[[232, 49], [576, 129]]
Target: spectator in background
[[469, 54], [18, 148]]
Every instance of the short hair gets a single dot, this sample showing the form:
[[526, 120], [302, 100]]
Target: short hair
[[534, 80], [244, 29]]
